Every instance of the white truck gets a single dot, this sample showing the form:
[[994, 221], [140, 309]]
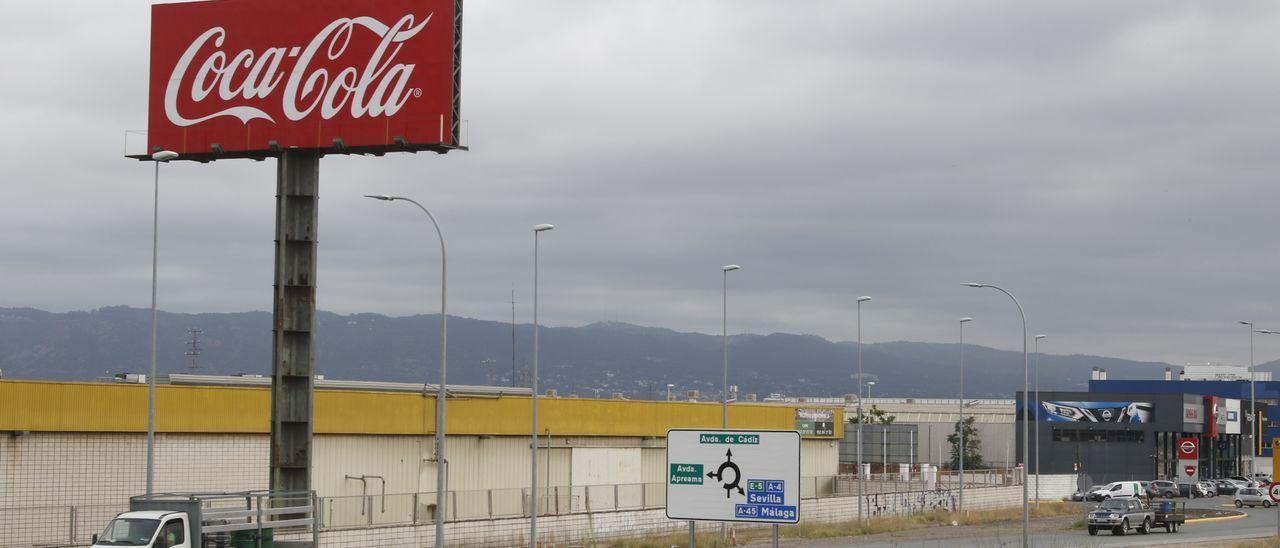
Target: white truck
[[248, 519]]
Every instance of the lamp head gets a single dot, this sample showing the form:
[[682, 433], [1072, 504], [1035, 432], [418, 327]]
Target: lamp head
[[966, 319], [1267, 332], [869, 383], [863, 299], [164, 155], [973, 284], [1242, 322], [1038, 337], [383, 197], [730, 267], [543, 227]]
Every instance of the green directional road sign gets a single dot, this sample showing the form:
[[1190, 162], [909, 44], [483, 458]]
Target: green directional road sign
[[686, 474]]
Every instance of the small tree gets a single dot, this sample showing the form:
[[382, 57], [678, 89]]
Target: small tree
[[875, 415], [972, 447]]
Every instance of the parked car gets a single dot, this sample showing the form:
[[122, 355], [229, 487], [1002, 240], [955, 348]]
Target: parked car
[[1090, 496], [1120, 516], [1240, 483], [1162, 488], [1226, 486], [1210, 489], [1192, 490], [1077, 496], [1252, 496], [1264, 478], [1120, 489]]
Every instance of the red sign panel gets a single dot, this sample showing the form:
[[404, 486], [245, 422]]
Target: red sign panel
[[1213, 416], [1188, 449], [231, 78]]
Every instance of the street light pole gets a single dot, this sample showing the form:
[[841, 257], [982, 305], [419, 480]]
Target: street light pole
[[724, 396], [1253, 415], [962, 322], [1026, 381], [441, 461], [669, 387], [1037, 416], [869, 385], [159, 157], [861, 478], [533, 445]]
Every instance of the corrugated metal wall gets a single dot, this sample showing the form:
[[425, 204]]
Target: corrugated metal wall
[[819, 458], [111, 407], [396, 458], [653, 465]]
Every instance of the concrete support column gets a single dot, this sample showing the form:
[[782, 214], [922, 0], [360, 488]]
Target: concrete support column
[[293, 357]]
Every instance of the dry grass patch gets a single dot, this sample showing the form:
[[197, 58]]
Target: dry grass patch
[[1041, 510], [853, 528], [1272, 542]]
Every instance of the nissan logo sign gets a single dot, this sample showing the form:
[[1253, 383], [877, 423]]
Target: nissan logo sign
[[1188, 447]]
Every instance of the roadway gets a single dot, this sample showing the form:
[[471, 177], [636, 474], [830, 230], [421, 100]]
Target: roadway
[[1050, 532]]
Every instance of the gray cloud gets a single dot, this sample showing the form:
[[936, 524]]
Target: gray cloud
[[1108, 162]]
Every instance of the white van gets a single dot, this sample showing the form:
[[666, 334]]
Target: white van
[[1118, 490]]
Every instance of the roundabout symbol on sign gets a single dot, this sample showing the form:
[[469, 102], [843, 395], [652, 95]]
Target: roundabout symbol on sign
[[1274, 491], [718, 475]]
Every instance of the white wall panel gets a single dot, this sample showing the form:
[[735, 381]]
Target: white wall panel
[[606, 465], [395, 458]]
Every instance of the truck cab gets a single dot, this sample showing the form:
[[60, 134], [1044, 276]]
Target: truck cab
[[194, 520], [149, 529]]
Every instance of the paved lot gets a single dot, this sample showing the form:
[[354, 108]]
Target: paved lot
[[1050, 532]]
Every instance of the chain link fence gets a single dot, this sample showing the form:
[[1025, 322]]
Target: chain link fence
[[469, 511]]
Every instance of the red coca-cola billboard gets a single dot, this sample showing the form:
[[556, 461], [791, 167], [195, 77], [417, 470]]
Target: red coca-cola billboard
[[246, 78]]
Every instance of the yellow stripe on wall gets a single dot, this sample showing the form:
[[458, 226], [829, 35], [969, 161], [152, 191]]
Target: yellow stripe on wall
[[112, 407]]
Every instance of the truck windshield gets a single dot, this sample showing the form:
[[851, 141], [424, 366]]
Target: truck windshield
[[128, 532], [1114, 505]]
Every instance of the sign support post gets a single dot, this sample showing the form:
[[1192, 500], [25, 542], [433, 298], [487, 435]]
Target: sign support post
[[293, 357], [1274, 492]]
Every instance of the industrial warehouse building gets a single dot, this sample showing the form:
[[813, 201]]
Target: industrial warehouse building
[[921, 426], [72, 453]]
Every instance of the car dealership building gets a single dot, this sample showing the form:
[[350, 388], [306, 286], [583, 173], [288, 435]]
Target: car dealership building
[[1177, 430]]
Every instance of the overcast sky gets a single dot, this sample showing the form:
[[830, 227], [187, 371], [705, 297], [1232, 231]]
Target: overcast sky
[[1113, 164]]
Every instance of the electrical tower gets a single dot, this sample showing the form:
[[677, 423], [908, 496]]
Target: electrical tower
[[194, 350]]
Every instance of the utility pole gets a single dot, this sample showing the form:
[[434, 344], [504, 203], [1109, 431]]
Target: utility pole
[[194, 343], [513, 336]]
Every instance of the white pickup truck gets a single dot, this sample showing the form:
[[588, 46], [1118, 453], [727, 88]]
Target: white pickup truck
[[213, 520]]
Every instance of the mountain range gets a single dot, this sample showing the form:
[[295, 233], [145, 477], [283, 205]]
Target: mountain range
[[591, 360]]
